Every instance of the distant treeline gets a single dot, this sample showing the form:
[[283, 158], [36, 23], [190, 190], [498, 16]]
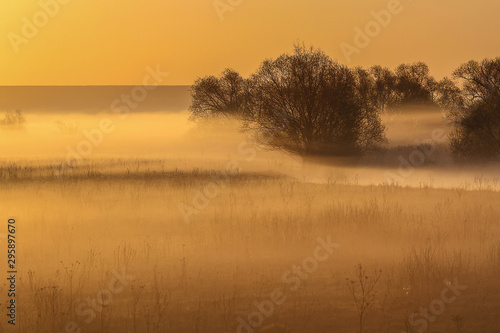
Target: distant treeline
[[89, 99], [305, 103]]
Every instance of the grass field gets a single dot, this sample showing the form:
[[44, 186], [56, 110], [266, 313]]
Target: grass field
[[136, 245]]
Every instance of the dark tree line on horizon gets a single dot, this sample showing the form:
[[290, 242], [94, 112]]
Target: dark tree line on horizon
[[307, 104]]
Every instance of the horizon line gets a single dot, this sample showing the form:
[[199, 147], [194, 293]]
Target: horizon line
[[95, 85]]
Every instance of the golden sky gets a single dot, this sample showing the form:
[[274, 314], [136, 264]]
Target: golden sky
[[94, 42]]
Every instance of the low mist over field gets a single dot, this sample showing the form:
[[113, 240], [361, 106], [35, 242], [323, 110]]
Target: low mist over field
[[65, 138]]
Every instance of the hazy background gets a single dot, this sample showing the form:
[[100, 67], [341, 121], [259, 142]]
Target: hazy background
[[88, 99], [95, 42], [159, 128]]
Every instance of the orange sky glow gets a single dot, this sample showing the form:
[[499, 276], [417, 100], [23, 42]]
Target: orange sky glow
[[111, 42]]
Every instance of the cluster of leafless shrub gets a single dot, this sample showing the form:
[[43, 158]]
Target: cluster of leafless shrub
[[307, 104]]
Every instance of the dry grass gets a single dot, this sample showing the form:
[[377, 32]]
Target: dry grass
[[123, 214]]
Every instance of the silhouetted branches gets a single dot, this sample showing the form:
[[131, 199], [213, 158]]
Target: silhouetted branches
[[303, 103], [474, 109], [307, 104]]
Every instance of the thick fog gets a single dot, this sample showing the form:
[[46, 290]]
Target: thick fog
[[54, 136]]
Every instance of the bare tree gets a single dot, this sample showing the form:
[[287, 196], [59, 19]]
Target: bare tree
[[302, 103], [474, 109], [218, 97], [414, 85], [383, 87]]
